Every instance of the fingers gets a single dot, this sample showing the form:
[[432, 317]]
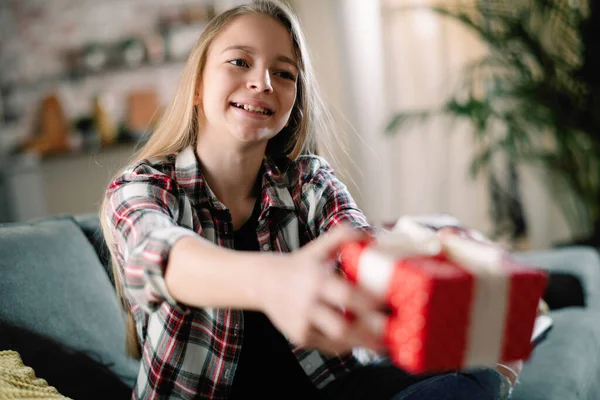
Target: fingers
[[338, 292], [372, 327], [327, 246], [352, 336], [362, 331], [366, 330], [330, 322], [326, 345]]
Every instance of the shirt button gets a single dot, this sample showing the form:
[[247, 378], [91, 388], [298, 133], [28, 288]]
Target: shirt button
[[266, 247]]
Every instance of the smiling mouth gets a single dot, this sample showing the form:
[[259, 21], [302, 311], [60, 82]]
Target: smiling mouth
[[252, 109]]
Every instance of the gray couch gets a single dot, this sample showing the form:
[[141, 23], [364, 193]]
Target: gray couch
[[59, 310]]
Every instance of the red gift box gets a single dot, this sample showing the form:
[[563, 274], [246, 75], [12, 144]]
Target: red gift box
[[468, 305]]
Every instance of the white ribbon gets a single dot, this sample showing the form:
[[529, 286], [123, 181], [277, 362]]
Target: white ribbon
[[490, 297]]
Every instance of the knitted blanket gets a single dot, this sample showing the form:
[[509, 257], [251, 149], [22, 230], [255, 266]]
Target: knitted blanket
[[18, 381]]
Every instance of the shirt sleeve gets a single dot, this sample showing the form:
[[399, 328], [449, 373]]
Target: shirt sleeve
[[142, 209], [327, 201]]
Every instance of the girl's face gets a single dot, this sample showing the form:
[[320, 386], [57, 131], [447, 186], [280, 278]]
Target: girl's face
[[248, 87]]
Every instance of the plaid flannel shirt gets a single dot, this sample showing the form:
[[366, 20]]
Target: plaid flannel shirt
[[193, 352]]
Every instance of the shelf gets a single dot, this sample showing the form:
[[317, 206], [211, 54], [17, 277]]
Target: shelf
[[81, 77], [90, 151]]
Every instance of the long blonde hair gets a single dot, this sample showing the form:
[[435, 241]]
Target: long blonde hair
[[178, 126]]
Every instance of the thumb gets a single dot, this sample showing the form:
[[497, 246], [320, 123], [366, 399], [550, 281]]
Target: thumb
[[328, 245]]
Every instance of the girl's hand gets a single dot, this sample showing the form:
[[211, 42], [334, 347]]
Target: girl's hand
[[305, 299]]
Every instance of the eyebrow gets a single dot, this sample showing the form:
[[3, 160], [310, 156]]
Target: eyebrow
[[251, 50]]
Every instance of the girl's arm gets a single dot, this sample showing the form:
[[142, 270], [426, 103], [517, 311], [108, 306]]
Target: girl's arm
[[298, 291], [201, 274]]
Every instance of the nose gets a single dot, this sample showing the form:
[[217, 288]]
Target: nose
[[260, 82]]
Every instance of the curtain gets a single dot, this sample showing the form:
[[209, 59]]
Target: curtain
[[424, 54]]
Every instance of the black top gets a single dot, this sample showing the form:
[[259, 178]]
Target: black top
[[267, 367]]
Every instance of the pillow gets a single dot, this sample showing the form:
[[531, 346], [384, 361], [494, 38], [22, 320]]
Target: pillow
[[90, 225], [563, 290], [57, 301]]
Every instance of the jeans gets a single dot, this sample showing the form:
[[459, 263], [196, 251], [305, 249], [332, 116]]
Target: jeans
[[386, 382]]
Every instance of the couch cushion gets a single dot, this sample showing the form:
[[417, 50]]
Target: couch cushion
[[54, 291], [90, 225], [565, 365], [564, 290], [581, 262]]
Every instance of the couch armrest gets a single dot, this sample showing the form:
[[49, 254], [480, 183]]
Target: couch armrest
[[580, 261]]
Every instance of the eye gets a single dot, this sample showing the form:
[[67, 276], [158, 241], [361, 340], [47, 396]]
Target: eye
[[238, 62], [286, 75]]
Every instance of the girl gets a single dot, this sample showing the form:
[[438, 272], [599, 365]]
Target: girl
[[223, 232]]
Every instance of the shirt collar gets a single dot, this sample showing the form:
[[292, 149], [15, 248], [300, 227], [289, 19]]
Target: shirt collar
[[275, 183]]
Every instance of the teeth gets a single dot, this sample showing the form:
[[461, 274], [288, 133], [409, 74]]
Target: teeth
[[253, 109]]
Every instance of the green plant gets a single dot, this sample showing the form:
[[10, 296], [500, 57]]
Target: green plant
[[534, 96]]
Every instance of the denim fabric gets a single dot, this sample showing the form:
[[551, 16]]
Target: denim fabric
[[484, 384], [385, 382]]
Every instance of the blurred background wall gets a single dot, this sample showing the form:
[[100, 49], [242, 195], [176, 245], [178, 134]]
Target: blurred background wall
[[372, 59], [115, 62]]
